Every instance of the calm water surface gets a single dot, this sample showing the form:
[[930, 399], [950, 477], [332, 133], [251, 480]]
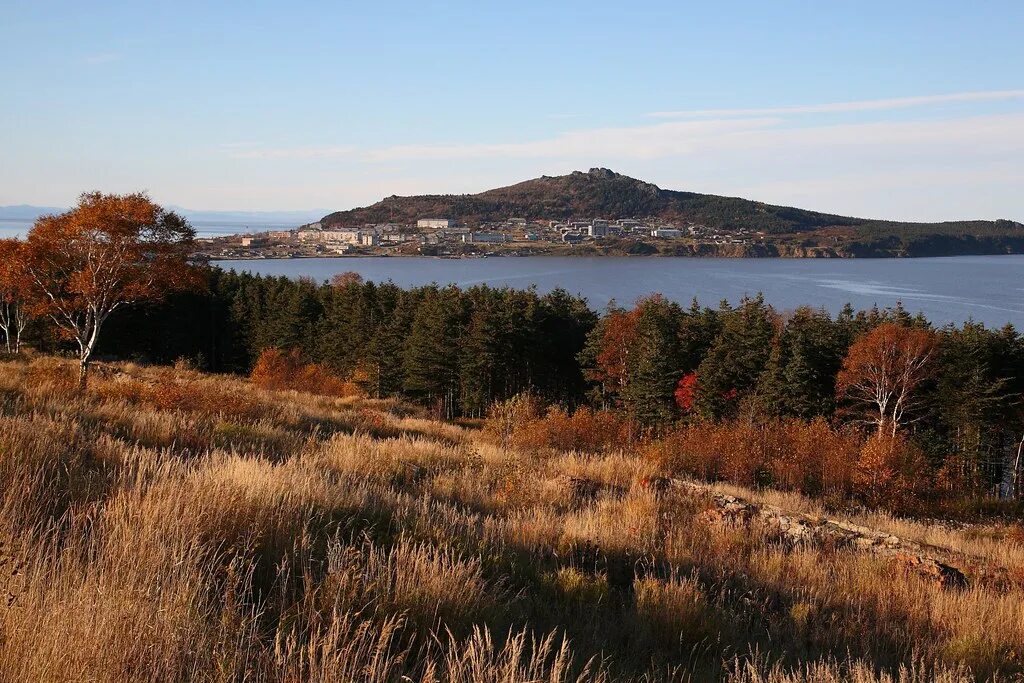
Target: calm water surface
[[988, 289]]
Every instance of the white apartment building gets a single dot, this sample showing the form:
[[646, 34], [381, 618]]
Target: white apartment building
[[666, 233], [435, 223]]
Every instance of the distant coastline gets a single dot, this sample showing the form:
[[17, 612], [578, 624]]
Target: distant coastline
[[683, 251]]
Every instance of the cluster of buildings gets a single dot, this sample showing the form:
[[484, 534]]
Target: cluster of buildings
[[445, 233], [642, 229]]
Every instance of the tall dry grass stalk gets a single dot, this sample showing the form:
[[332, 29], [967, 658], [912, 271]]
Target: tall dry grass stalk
[[171, 526]]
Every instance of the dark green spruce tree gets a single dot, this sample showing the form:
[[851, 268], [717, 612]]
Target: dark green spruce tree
[[800, 378], [431, 351], [654, 364], [729, 372]]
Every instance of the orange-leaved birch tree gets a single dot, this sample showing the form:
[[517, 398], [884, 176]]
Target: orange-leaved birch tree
[[883, 371], [13, 288], [107, 252]]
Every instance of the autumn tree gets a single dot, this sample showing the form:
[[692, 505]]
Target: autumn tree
[[346, 279], [108, 252], [13, 287], [606, 353], [883, 371]]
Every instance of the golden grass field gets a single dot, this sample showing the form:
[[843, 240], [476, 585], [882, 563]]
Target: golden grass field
[[173, 526]]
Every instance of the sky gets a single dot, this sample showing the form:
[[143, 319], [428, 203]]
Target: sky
[[901, 109]]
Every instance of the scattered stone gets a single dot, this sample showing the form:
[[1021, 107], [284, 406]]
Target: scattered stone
[[584, 489], [796, 527]]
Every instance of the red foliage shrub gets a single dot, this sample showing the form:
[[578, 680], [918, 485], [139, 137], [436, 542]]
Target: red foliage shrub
[[281, 370], [890, 472], [584, 430], [685, 390], [810, 457]]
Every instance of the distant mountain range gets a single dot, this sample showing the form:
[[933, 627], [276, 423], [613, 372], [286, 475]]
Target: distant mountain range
[[27, 212], [601, 193]]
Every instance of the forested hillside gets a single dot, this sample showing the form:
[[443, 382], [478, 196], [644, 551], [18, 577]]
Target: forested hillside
[[603, 193], [655, 365]]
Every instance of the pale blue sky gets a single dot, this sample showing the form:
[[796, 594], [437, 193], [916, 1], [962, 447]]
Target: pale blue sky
[[329, 105]]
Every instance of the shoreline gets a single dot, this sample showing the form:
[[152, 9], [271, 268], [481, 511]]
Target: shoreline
[[779, 257]]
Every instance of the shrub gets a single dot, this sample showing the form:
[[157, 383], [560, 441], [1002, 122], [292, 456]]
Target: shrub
[[518, 423], [507, 418], [810, 457], [279, 370], [890, 471]]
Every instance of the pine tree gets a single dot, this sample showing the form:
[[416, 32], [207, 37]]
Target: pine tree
[[653, 365], [383, 354], [799, 380], [479, 370], [431, 351], [698, 329], [973, 400], [558, 331], [731, 368]]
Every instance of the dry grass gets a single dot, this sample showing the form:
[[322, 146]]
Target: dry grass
[[171, 526]]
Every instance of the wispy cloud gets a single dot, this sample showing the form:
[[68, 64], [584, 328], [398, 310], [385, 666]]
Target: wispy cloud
[[959, 165], [684, 138], [762, 129], [307, 152], [101, 58], [841, 107], [637, 142]]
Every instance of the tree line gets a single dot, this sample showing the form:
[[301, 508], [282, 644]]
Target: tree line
[[454, 350], [956, 390]]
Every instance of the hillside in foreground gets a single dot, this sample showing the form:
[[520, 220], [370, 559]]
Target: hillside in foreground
[[605, 194], [171, 526]]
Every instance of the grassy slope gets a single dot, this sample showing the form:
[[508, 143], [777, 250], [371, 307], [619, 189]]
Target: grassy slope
[[172, 526]]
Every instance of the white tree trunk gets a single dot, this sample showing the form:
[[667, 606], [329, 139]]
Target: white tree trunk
[[1016, 468]]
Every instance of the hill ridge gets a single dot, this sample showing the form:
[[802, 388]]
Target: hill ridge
[[603, 193]]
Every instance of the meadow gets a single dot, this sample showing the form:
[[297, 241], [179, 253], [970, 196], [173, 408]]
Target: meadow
[[168, 525]]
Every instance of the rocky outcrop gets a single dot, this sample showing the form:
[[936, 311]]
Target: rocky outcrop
[[942, 565]]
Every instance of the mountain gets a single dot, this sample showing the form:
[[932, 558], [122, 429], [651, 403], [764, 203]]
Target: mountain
[[28, 212], [601, 193], [290, 218]]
